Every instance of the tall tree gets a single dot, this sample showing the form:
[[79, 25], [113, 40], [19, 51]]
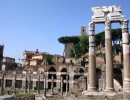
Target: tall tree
[[80, 48], [81, 45]]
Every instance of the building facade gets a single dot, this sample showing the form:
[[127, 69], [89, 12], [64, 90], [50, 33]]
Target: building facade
[[8, 63]]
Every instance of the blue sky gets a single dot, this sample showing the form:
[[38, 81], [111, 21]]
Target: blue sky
[[37, 24]]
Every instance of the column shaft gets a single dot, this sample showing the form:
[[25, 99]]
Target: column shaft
[[38, 87], [24, 82], [67, 85], [58, 81], [92, 59], [14, 82], [2, 84], [126, 56], [52, 85], [34, 84], [44, 85], [109, 60], [61, 85], [29, 83], [46, 79]]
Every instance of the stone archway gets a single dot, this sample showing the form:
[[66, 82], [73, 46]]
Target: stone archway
[[63, 70], [64, 75], [40, 70], [51, 75]]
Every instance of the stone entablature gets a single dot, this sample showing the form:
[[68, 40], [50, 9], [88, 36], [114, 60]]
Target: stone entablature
[[111, 13]]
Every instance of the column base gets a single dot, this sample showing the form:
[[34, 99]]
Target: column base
[[92, 89], [109, 90]]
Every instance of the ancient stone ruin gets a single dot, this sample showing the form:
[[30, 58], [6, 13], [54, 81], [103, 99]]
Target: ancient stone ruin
[[68, 78], [108, 15]]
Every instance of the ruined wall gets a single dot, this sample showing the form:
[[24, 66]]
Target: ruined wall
[[68, 47]]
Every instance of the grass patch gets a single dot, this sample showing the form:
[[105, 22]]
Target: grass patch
[[24, 94], [1, 94]]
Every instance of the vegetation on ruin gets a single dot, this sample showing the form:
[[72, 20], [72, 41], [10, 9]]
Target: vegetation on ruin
[[81, 45], [119, 65], [49, 59], [100, 54], [80, 48], [23, 94], [116, 37], [69, 39]]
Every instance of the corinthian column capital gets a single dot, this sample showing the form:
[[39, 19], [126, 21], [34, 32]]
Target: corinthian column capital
[[107, 25], [91, 26], [125, 26]]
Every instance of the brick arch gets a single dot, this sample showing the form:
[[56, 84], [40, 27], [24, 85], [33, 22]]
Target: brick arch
[[64, 70], [52, 69], [60, 67], [79, 69], [40, 70]]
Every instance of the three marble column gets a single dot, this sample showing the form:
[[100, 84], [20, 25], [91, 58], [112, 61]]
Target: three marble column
[[109, 58]]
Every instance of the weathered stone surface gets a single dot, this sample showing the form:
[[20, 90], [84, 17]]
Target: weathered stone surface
[[111, 13]]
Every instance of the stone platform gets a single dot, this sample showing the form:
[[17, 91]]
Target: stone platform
[[99, 93]]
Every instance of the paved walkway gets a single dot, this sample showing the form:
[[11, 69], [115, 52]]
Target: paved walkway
[[40, 97], [7, 97]]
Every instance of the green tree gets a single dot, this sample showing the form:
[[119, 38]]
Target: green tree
[[69, 39], [100, 38], [81, 44], [80, 48], [84, 43], [49, 59], [116, 37]]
